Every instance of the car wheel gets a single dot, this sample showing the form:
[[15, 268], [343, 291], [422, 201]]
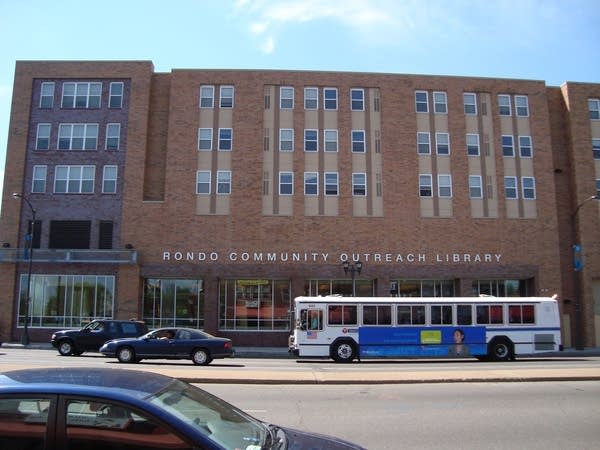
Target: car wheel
[[201, 357], [343, 352], [65, 347], [126, 355]]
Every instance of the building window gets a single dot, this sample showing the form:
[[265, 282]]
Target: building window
[[331, 140], [508, 148], [424, 288], [225, 138], [286, 97], [442, 143], [311, 183], [330, 98], [113, 136], [596, 148], [74, 179], [358, 141], [38, 183], [207, 96], [331, 183], [421, 102], [470, 103], [357, 99], [47, 95], [81, 136], [226, 97], [473, 144], [504, 105], [173, 302], [359, 184], [203, 182], [81, 95], [223, 182], [423, 145], [510, 187], [115, 96], [286, 183], [594, 108], [444, 186], [205, 139], [105, 235], [528, 187], [522, 105], [311, 140], [475, 189], [525, 148], [500, 288], [440, 104], [286, 140], [109, 180], [42, 140], [311, 98], [425, 185]]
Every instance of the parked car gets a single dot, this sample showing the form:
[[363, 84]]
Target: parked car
[[100, 408], [170, 343], [91, 337]]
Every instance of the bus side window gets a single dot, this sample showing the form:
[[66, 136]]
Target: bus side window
[[315, 319]]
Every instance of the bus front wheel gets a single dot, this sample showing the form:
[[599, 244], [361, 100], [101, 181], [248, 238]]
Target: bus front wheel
[[343, 352]]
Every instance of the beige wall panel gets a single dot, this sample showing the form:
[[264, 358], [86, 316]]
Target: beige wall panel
[[222, 205], [311, 120], [474, 163], [423, 123], [311, 162], [202, 204], [426, 207], [425, 165], [330, 120], [204, 160], [359, 206], [443, 164], [527, 167], [286, 205], [523, 127], [207, 117], [529, 209], [512, 209], [445, 207], [441, 123], [331, 205], [226, 119], [477, 207], [224, 160], [595, 128], [359, 162], [506, 125], [286, 161], [286, 119], [358, 120], [472, 124], [311, 205], [330, 162], [510, 167]]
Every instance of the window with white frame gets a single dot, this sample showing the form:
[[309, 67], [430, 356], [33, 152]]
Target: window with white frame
[[440, 103], [226, 97], [77, 136], [286, 183], [74, 179], [38, 183], [528, 187], [47, 95], [286, 97], [504, 108], [311, 140], [525, 148], [311, 98], [596, 148], [470, 103], [359, 184], [330, 98], [442, 143], [331, 181], [311, 183], [331, 140], [508, 147], [205, 139], [473, 144], [286, 140], [358, 141], [594, 108], [81, 95], [423, 144], [223, 182], [42, 140], [444, 185], [475, 186], [421, 102], [207, 96], [425, 185], [225, 139], [109, 180], [510, 187], [203, 182], [522, 105], [115, 95], [357, 99], [113, 136]]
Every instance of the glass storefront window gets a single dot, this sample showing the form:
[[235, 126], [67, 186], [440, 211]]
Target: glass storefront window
[[363, 288], [173, 302], [425, 288], [500, 288]]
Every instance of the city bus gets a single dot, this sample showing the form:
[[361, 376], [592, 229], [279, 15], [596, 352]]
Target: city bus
[[487, 328]]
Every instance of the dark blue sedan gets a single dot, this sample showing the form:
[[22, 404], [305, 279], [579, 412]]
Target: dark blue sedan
[[170, 343], [114, 409]]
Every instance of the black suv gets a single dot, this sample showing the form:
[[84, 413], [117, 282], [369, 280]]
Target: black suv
[[91, 337]]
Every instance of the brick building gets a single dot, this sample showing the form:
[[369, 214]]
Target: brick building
[[211, 198]]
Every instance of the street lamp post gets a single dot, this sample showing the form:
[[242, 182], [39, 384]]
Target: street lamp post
[[577, 266], [353, 269], [29, 239]]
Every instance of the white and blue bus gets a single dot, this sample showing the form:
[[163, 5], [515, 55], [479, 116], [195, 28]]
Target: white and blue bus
[[487, 328]]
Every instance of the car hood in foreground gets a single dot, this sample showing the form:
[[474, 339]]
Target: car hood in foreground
[[300, 440]]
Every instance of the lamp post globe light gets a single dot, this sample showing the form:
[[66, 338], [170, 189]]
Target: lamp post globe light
[[29, 248], [353, 269]]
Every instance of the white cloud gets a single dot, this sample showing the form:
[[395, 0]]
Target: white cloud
[[268, 45]]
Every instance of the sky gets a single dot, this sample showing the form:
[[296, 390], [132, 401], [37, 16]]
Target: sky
[[550, 40]]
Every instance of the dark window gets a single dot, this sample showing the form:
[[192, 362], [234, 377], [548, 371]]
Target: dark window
[[37, 233], [70, 234], [105, 235]]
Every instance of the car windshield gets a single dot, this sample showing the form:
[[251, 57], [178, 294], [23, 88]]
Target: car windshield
[[218, 420]]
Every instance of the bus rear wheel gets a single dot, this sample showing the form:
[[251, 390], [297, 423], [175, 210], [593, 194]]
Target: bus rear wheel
[[500, 350], [343, 352]]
